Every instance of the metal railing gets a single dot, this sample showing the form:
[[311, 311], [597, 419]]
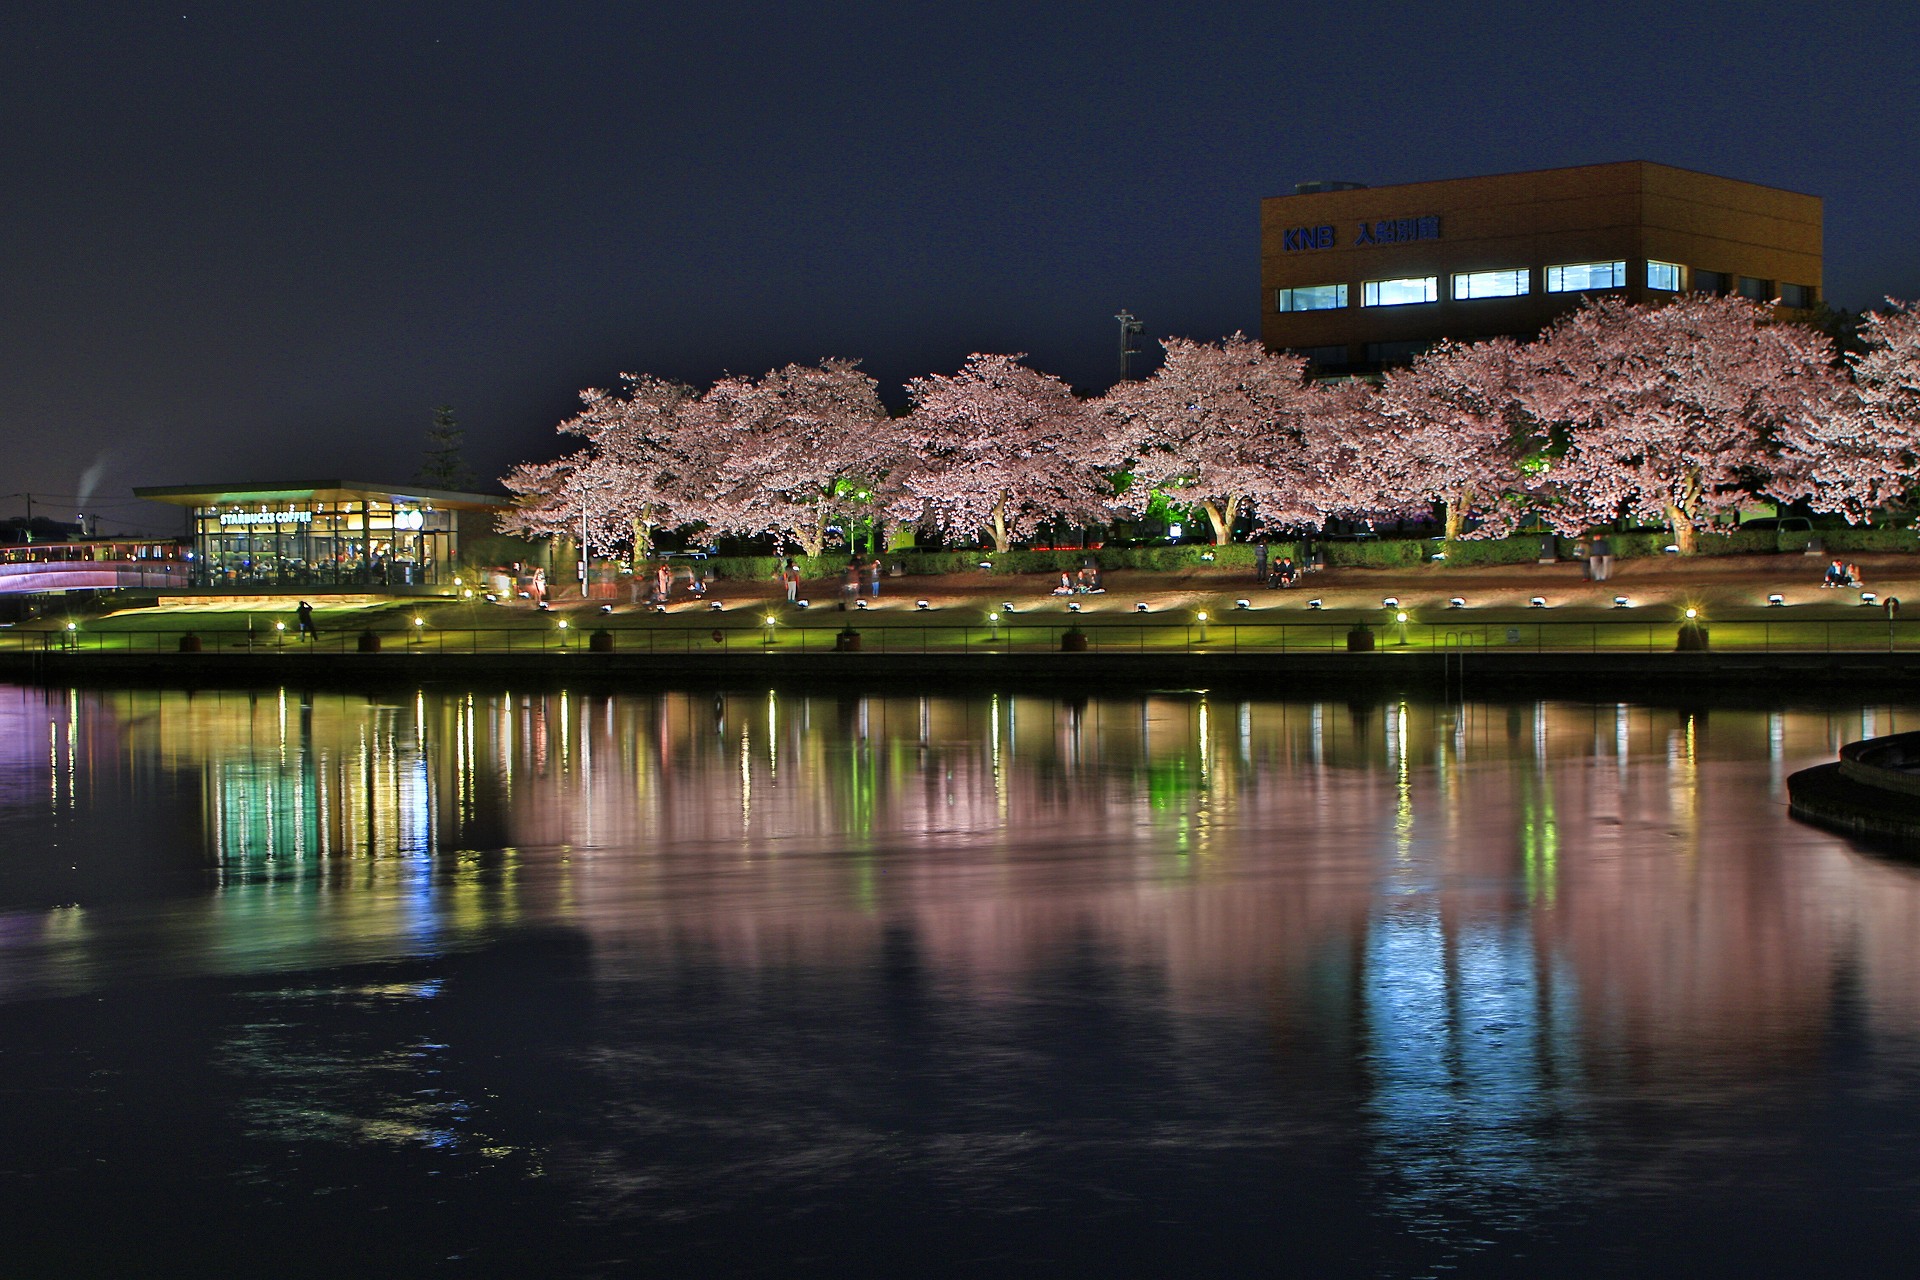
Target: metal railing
[[1453, 636]]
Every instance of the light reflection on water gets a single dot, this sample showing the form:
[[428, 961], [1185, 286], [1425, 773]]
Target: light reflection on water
[[1475, 968]]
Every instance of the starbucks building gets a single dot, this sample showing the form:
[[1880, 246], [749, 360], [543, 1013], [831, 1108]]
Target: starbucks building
[[326, 533]]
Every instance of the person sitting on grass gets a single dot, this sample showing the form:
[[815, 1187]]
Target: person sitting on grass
[[1836, 576]]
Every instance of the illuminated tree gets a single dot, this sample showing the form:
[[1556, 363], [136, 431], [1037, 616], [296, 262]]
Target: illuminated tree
[[1453, 432], [1205, 427], [1863, 453], [1001, 448], [795, 448], [1671, 411], [640, 470]]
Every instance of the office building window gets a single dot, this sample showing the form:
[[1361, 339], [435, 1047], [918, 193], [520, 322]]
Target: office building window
[[1394, 352], [1313, 297], [1399, 293], [1492, 284], [1715, 282], [1755, 289], [1796, 295], [1577, 277], [1664, 275]]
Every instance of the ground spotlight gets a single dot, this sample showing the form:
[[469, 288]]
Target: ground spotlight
[[1458, 602], [859, 604], [1867, 597], [659, 608], [922, 604], [714, 606], [1671, 549], [803, 604], [986, 564], [1243, 604], [1621, 602], [492, 598], [1140, 606], [606, 608], [1073, 606], [1313, 604], [1391, 602], [1776, 601], [1006, 606], [1538, 602]]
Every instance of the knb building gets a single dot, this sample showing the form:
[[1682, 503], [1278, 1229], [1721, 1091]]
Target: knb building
[[1359, 277]]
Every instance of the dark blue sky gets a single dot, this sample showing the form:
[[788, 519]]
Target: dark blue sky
[[251, 241]]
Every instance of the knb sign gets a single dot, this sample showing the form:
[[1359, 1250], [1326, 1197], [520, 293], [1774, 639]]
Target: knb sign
[[1297, 238]]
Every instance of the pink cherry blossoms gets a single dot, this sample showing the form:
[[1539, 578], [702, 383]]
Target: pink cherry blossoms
[[1677, 414]]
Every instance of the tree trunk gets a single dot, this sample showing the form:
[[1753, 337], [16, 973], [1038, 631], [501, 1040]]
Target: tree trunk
[[1222, 522], [643, 537], [1456, 514], [997, 526], [1685, 535]]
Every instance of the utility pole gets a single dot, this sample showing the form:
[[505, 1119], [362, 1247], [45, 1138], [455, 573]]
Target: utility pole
[[1130, 329]]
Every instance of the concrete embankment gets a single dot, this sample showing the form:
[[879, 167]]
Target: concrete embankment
[[1475, 674], [1872, 790]]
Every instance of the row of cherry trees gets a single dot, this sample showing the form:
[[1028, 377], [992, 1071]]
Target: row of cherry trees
[[1676, 414]]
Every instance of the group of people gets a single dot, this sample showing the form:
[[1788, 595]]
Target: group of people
[[1284, 572], [1842, 575], [661, 589], [788, 575], [1085, 582]]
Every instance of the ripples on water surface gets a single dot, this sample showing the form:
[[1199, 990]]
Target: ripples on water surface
[[503, 983]]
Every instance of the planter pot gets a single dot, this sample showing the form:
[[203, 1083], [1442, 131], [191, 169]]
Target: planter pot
[[190, 643], [1360, 640], [600, 641], [369, 642], [847, 642], [1073, 642], [1693, 638]]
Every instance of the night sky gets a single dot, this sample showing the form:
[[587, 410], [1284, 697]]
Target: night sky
[[260, 241]]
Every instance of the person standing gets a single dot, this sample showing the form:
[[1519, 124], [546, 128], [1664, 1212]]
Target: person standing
[[792, 575], [873, 577], [303, 620], [850, 584], [1260, 562]]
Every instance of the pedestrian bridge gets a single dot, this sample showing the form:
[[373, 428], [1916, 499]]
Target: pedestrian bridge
[[90, 566]]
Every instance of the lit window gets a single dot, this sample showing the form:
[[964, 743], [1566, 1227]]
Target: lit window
[[1577, 277], [1663, 275], [1799, 296], [1399, 293], [1313, 297], [1492, 284]]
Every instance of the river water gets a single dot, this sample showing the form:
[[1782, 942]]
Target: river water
[[513, 983]]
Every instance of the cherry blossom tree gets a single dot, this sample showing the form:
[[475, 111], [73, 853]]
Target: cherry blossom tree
[[795, 448], [1205, 428], [1454, 432], [1001, 448], [638, 472], [1863, 453], [1671, 411]]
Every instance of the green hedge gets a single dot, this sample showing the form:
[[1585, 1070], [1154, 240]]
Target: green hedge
[[1383, 553]]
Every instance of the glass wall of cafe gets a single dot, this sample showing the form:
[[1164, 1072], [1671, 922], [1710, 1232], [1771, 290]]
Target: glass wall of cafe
[[350, 543]]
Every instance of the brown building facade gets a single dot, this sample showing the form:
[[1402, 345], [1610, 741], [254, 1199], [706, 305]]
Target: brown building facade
[[1355, 277]]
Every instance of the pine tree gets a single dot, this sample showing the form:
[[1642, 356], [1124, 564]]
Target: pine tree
[[444, 467]]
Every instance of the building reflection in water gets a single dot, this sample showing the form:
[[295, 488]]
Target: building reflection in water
[[1472, 911]]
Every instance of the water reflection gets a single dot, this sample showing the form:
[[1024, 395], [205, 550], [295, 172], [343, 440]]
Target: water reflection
[[1482, 920]]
